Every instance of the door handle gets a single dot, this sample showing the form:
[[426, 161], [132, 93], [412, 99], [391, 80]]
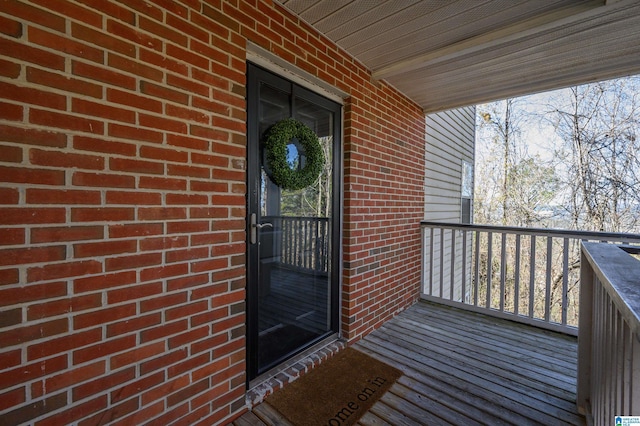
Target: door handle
[[255, 226]]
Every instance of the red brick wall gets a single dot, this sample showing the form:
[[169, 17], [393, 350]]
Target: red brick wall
[[122, 204], [384, 202]]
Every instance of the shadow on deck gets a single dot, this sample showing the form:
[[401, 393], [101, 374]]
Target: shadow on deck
[[465, 368]]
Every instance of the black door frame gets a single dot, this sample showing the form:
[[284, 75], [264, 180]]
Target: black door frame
[[256, 75]]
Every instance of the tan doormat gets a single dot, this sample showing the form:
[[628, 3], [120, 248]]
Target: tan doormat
[[336, 393]]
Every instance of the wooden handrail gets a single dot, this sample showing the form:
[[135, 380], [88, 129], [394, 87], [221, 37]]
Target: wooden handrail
[[579, 235]]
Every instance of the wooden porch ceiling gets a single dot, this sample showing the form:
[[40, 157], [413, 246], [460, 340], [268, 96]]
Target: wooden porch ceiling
[[462, 368], [446, 54]]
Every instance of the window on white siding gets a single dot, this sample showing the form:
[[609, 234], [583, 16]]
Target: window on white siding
[[466, 192]]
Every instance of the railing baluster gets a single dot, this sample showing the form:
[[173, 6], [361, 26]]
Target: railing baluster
[[286, 243], [327, 241], [284, 238], [600, 343], [303, 244], [532, 276], [325, 245], [315, 247], [619, 362], [503, 269], [300, 247], [634, 405], [309, 241], [292, 236], [318, 247], [489, 267], [605, 343], [627, 361], [464, 267], [476, 283], [314, 244], [452, 282], [294, 242], [608, 330], [299, 243], [596, 361], [565, 280], [431, 255], [547, 292], [516, 281], [441, 292]]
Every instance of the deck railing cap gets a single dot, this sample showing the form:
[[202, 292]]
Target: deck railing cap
[[551, 232], [619, 273]]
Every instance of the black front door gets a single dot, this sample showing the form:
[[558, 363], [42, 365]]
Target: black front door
[[293, 235]]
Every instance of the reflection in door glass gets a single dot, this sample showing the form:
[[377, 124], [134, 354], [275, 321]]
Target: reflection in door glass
[[295, 252], [295, 158]]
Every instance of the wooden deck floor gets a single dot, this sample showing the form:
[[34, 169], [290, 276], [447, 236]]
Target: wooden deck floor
[[466, 369]]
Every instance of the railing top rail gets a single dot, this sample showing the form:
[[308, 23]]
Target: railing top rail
[[583, 235], [319, 219], [619, 273]]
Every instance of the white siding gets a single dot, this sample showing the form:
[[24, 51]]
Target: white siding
[[450, 140]]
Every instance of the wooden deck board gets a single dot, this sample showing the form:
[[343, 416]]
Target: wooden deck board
[[270, 416], [466, 393], [466, 368], [370, 419], [495, 363], [249, 419], [493, 330]]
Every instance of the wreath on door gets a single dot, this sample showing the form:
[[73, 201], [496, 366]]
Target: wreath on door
[[308, 165]]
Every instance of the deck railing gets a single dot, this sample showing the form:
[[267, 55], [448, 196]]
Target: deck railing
[[608, 341], [301, 243], [524, 274]]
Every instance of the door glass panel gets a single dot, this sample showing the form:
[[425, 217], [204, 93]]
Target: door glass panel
[[294, 239]]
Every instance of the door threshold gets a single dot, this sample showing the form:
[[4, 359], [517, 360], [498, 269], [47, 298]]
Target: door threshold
[[274, 379]]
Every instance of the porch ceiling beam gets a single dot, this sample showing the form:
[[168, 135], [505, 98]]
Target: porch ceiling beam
[[528, 28]]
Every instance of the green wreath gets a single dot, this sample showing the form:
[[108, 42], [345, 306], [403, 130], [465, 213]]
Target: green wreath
[[277, 138]]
